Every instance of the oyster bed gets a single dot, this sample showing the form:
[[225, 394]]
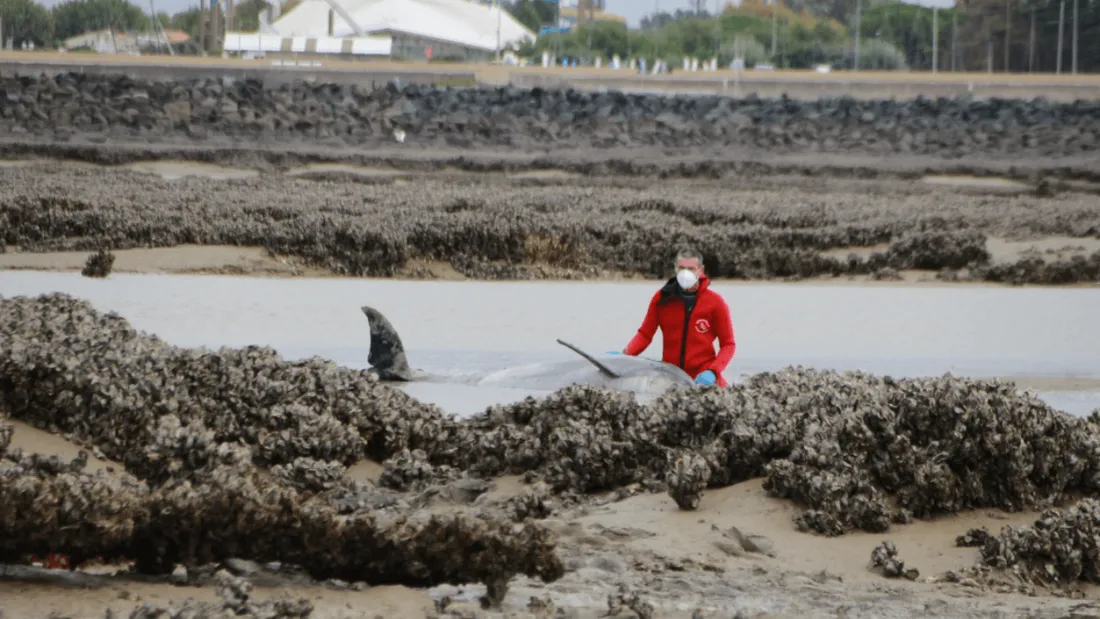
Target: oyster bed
[[68, 104], [238, 453], [499, 227]]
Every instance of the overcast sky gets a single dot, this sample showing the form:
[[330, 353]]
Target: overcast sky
[[635, 10], [632, 10]]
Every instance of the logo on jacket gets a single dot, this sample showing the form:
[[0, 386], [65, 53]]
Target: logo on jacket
[[702, 325]]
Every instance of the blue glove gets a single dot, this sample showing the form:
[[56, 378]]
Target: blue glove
[[706, 378]]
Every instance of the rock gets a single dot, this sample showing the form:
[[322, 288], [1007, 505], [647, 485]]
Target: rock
[[178, 111], [242, 567], [201, 108]]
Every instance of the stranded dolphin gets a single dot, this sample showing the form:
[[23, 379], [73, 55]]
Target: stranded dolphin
[[621, 373]]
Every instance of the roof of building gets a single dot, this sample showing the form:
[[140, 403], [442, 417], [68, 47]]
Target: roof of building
[[454, 21]]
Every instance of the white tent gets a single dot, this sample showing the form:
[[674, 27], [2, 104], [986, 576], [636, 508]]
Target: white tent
[[460, 22], [261, 43]]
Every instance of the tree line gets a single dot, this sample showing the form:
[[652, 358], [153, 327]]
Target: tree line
[[27, 21], [977, 35]]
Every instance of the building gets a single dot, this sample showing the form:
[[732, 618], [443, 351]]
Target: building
[[108, 42], [461, 30]]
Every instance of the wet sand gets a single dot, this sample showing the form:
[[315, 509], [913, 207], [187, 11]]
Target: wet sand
[[678, 561], [255, 261]]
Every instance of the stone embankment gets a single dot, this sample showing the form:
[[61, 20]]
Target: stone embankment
[[66, 105]]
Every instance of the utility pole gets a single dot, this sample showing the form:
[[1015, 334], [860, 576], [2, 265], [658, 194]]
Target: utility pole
[[1075, 2], [110, 28], [859, 23], [202, 27], [498, 30], [775, 4], [717, 30], [954, 34], [1008, 35], [656, 13], [1031, 43], [935, 39], [159, 28], [1061, 28]]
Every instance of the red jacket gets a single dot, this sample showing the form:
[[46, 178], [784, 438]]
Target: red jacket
[[689, 343]]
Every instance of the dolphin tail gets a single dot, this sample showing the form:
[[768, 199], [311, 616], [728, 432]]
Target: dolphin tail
[[606, 371], [387, 354]]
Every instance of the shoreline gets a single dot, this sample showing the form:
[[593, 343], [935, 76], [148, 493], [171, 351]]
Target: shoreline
[[257, 262]]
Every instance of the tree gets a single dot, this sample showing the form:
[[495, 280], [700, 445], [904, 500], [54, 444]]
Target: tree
[[246, 15], [26, 21], [79, 16], [533, 14], [187, 21]]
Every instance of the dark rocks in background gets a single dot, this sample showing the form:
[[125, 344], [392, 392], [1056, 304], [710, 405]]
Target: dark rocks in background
[[64, 105]]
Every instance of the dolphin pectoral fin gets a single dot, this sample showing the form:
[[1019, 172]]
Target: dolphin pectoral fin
[[387, 354], [603, 368]]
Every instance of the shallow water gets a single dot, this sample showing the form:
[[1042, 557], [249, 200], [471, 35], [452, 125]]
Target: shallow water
[[474, 327]]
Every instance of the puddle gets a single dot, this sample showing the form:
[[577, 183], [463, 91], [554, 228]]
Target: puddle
[[979, 182], [341, 168], [175, 170]]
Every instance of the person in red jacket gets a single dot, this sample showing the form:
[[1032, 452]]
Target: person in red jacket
[[691, 317]]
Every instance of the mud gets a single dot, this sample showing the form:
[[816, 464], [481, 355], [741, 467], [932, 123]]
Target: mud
[[508, 227]]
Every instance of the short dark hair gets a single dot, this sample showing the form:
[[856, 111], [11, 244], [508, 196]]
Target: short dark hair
[[687, 251]]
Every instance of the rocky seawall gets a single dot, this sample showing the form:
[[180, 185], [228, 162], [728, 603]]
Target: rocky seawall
[[65, 106]]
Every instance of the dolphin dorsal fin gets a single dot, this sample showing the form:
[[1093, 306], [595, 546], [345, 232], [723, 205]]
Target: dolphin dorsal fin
[[387, 354], [606, 371]]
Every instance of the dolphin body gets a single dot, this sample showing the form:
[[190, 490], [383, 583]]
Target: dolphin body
[[620, 373]]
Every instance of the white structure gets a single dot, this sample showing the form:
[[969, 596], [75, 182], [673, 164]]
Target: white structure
[[255, 44], [420, 29]]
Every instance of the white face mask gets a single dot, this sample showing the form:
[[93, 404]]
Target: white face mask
[[686, 278]]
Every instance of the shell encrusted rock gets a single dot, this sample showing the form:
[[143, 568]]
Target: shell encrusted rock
[[192, 428], [491, 226], [1060, 548], [238, 453]]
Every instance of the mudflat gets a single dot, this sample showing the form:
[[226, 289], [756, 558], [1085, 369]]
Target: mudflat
[[432, 221]]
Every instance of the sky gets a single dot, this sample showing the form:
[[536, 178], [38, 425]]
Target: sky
[[635, 10], [632, 10]]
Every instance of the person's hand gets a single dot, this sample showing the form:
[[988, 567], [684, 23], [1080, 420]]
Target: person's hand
[[706, 378]]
